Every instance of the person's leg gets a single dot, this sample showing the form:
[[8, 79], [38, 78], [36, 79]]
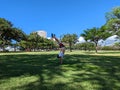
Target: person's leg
[[60, 60], [61, 57], [53, 36], [56, 39]]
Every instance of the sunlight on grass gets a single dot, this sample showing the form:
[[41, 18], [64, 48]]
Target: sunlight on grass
[[7, 84], [29, 53], [41, 71]]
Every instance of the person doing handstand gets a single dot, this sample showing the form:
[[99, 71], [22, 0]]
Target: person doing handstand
[[61, 47]]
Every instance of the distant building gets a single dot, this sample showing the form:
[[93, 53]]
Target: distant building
[[42, 33]]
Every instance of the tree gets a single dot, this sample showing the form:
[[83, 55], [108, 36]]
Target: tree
[[96, 34], [5, 28], [70, 39], [114, 14], [17, 34], [49, 43], [34, 39], [117, 45], [25, 45], [113, 26], [9, 33], [85, 46], [113, 21], [35, 42], [85, 35]]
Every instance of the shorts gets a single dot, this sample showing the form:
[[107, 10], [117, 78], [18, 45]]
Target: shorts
[[60, 55]]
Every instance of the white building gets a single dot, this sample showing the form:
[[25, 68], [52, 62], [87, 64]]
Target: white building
[[42, 33]]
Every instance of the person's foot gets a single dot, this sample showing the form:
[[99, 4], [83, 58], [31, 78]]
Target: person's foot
[[52, 35]]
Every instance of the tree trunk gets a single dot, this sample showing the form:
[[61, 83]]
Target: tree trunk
[[3, 46], [70, 45], [96, 48], [14, 48]]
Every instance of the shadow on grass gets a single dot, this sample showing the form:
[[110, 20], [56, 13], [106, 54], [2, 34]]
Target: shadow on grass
[[85, 72]]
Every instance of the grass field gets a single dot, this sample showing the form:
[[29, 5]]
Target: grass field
[[41, 71]]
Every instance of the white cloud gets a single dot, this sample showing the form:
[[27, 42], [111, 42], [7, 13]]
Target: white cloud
[[110, 41], [48, 37], [81, 40], [112, 37]]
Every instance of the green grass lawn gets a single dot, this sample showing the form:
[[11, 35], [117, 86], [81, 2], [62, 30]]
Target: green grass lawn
[[41, 71]]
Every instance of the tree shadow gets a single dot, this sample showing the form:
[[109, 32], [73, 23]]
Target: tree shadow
[[103, 70], [98, 70]]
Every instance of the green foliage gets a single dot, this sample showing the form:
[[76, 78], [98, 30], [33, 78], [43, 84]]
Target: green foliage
[[114, 26], [113, 14], [85, 35], [96, 34], [107, 48], [116, 12], [70, 39], [113, 22], [35, 42], [117, 45], [85, 46], [9, 33]]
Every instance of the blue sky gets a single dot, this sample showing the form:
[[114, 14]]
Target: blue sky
[[56, 16]]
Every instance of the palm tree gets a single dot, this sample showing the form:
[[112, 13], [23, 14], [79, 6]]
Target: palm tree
[[85, 35], [96, 34], [70, 39]]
